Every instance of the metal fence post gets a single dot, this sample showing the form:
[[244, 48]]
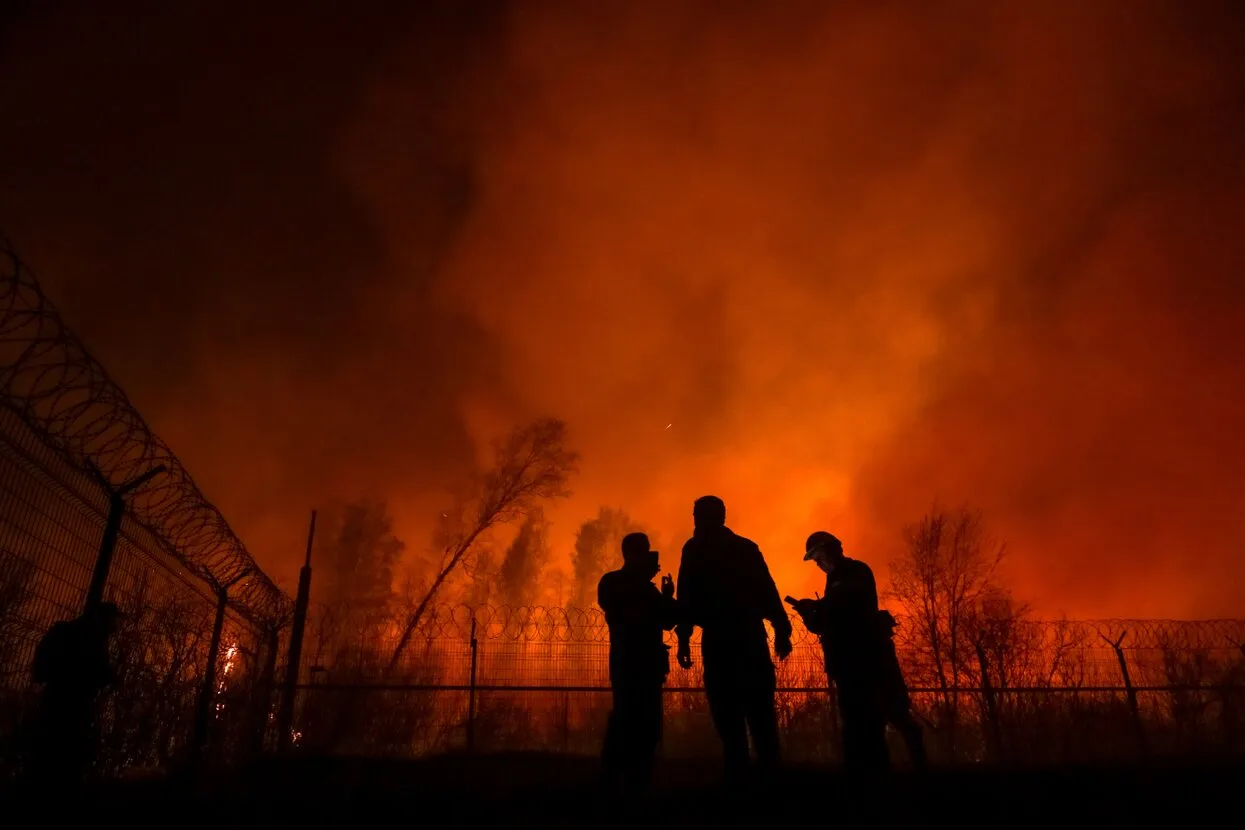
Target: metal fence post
[[1131, 692], [993, 726], [262, 705], [285, 716], [471, 694], [203, 711], [112, 529]]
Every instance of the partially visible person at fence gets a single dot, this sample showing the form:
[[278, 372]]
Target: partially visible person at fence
[[73, 665], [637, 615], [725, 588], [859, 652]]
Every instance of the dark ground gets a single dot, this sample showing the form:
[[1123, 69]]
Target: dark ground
[[558, 791]]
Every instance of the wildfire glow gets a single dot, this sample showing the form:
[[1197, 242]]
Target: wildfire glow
[[227, 667], [865, 255]]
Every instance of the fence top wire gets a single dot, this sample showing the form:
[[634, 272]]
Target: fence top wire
[[543, 624], [50, 380]]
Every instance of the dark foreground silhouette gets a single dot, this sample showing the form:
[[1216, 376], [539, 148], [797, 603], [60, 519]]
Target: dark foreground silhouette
[[524, 790], [72, 664], [857, 641], [726, 590], [637, 614]]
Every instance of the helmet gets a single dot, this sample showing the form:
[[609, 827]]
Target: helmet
[[819, 541]]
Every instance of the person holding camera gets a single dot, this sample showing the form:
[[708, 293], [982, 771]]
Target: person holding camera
[[637, 615]]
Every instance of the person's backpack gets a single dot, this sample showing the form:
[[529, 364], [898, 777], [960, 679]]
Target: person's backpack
[[886, 624]]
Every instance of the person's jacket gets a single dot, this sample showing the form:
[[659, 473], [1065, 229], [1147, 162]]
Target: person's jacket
[[725, 587], [637, 615], [854, 632]]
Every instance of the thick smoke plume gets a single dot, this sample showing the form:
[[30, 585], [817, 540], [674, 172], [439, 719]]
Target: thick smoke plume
[[829, 262]]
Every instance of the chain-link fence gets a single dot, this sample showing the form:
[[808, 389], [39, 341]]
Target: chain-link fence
[[538, 679], [93, 506], [51, 522]]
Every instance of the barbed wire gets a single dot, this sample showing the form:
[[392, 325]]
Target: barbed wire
[[50, 380], [535, 623], [1177, 634], [554, 624]]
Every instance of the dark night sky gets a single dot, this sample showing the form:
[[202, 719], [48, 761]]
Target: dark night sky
[[859, 258]]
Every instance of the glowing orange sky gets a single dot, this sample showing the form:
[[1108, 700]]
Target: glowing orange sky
[[858, 259]]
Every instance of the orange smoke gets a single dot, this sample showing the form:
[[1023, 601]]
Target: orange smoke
[[858, 260]]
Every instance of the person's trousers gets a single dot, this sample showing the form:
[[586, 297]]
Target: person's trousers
[[739, 683], [633, 731], [63, 743], [897, 707], [864, 726]]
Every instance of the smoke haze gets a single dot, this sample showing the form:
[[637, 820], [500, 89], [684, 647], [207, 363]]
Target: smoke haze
[[829, 263]]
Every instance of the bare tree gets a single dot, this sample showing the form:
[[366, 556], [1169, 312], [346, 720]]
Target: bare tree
[[948, 567], [998, 626], [159, 653], [483, 575], [532, 464], [1064, 651], [324, 625]]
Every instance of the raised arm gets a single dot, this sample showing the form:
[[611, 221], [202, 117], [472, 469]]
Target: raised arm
[[669, 613], [667, 606]]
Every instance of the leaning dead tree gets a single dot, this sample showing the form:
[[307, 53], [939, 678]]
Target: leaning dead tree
[[531, 465]]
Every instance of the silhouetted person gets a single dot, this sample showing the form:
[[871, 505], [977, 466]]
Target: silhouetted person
[[637, 615], [725, 588], [73, 664], [860, 658]]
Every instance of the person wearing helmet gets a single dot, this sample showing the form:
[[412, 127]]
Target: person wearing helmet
[[859, 657], [725, 588], [637, 615]]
